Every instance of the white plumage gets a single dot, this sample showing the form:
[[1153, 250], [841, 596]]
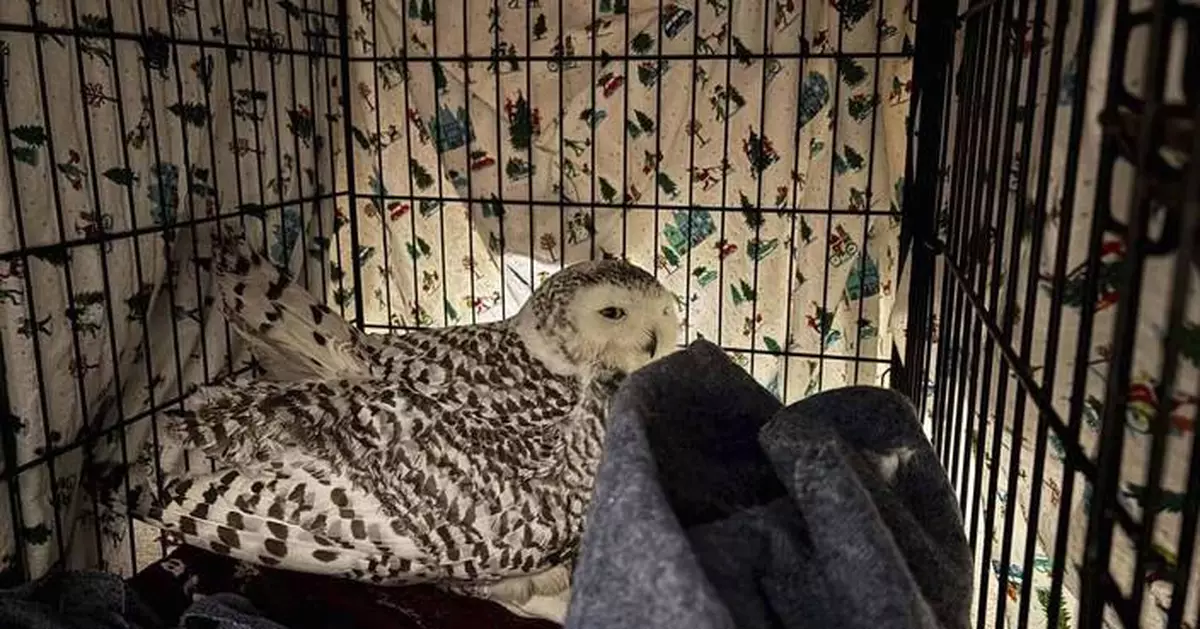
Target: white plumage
[[460, 456]]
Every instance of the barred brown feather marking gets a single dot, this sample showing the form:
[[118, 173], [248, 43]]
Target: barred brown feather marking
[[464, 481], [280, 531], [256, 538], [287, 328], [326, 556], [452, 455], [276, 547]]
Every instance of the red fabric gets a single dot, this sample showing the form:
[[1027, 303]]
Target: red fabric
[[305, 601]]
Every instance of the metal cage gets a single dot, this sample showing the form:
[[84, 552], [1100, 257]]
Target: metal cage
[[303, 122], [989, 330]]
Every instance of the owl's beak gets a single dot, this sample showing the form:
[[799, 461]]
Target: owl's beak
[[651, 346]]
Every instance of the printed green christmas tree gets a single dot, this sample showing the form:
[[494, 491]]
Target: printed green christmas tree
[[854, 159], [1107, 280], [861, 105], [742, 293], [853, 73], [34, 138], [1189, 346], [742, 52], [753, 215], [195, 114], [644, 121], [439, 77], [668, 185], [1064, 613], [1169, 501], [642, 43], [607, 191], [852, 11], [492, 208], [806, 231], [421, 177], [520, 124]]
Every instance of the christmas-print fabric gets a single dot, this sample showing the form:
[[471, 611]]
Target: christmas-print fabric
[[990, 431], [749, 153], [122, 152]]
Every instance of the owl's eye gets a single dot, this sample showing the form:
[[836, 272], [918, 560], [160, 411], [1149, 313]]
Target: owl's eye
[[612, 312]]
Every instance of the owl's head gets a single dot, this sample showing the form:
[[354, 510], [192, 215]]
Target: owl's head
[[604, 317]]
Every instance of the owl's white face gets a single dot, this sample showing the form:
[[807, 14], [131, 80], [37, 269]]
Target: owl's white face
[[623, 328], [599, 319]]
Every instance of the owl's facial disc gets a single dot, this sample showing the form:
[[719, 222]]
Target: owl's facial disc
[[622, 328], [605, 316]]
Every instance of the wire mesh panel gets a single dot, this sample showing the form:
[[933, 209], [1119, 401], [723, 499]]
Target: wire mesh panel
[[751, 153], [1052, 343], [424, 163], [130, 129], [418, 164]]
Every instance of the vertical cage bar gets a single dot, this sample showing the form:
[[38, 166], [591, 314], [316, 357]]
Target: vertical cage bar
[[1083, 53], [91, 425], [625, 134], [470, 210], [176, 346], [20, 570], [1096, 578], [1055, 316], [378, 189], [866, 217], [691, 191], [437, 151], [343, 11], [758, 188], [794, 201], [932, 55], [334, 239], [836, 105], [724, 180], [1191, 510], [497, 60], [1181, 281], [139, 274], [219, 226]]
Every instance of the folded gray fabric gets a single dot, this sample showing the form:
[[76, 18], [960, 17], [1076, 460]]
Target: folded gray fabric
[[74, 600], [714, 508], [98, 600], [225, 611]]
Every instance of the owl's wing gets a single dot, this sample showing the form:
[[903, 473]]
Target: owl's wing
[[290, 490], [248, 424], [300, 485], [290, 332], [473, 377], [294, 514]]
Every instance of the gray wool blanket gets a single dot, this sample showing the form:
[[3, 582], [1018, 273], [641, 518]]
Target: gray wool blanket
[[717, 508], [99, 600]]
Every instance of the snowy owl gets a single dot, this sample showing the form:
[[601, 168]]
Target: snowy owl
[[460, 456]]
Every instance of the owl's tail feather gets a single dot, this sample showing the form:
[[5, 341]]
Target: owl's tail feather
[[291, 333], [287, 517], [226, 512]]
